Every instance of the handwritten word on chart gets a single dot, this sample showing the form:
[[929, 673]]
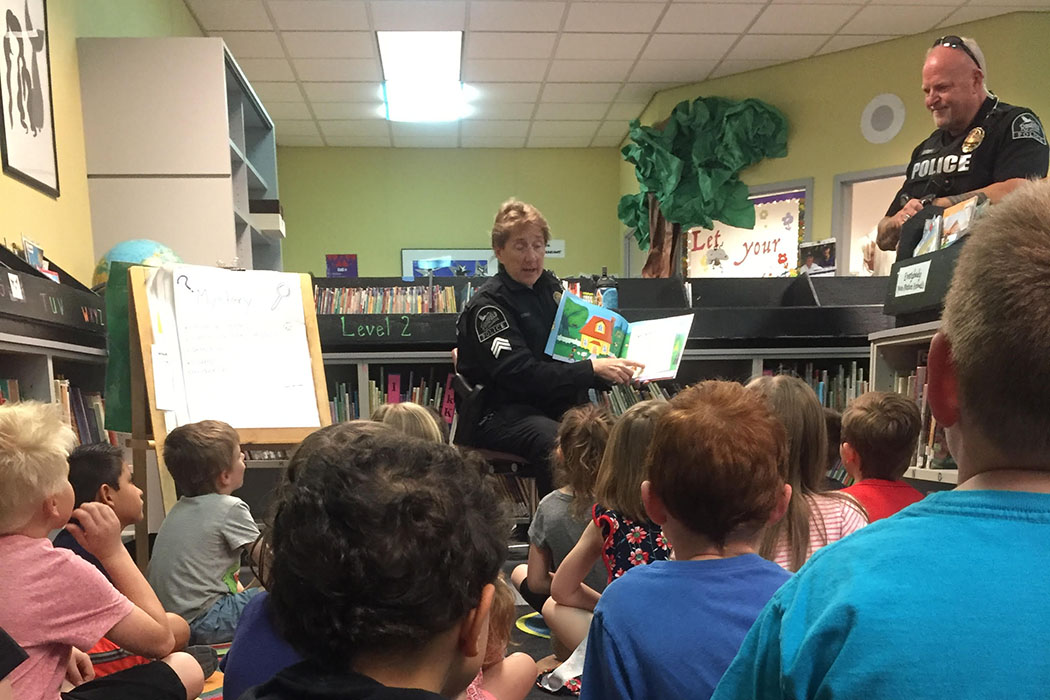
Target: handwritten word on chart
[[382, 328]]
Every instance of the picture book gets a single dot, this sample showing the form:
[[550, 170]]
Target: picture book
[[931, 236], [583, 331], [957, 219]]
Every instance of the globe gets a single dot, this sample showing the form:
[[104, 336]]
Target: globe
[[140, 251]]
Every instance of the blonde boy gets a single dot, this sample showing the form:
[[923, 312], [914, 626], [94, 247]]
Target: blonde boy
[[197, 554], [54, 603]]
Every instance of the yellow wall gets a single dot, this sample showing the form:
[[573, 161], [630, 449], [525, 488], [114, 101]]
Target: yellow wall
[[823, 98], [374, 202], [62, 226]]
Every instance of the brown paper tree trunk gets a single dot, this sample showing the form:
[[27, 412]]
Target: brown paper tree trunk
[[664, 239]]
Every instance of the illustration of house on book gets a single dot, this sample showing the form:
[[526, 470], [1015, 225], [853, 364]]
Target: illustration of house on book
[[597, 335]]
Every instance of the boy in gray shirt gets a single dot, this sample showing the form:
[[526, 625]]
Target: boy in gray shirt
[[197, 554]]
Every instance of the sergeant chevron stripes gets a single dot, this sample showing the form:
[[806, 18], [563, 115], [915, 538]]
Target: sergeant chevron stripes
[[499, 345]]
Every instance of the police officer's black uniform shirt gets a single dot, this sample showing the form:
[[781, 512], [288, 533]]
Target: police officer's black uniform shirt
[[1002, 142], [501, 334]]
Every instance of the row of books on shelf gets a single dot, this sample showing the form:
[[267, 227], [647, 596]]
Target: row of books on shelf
[[427, 391], [9, 391], [85, 412], [836, 389], [437, 299], [518, 493], [931, 451], [622, 396]]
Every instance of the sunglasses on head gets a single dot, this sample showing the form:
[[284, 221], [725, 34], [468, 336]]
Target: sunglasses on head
[[954, 42]]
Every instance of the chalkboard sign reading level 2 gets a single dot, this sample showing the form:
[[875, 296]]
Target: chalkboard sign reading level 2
[[381, 327]]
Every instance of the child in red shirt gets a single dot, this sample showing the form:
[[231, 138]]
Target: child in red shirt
[[879, 434]]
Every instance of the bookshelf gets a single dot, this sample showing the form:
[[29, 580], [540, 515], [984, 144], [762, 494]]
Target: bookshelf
[[897, 364]]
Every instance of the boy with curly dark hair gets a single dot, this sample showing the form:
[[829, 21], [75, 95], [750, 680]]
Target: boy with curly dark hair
[[384, 553]]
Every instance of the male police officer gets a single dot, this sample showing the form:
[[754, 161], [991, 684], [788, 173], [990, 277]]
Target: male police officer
[[982, 146]]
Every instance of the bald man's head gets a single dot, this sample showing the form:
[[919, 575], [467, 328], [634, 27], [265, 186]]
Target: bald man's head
[[953, 83]]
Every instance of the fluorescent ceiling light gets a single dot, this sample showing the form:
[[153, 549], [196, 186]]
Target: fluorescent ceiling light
[[422, 76], [420, 56]]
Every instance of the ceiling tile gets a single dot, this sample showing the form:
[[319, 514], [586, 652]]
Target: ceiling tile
[[625, 111], [497, 16], [288, 110], [300, 141], [788, 47], [359, 141], [564, 128], [479, 128], [896, 19], [612, 17], [802, 19], [851, 41], [509, 45], [507, 92], [350, 110], [579, 92], [673, 71], [343, 92], [329, 15], [569, 110], [263, 69], [614, 129], [820, 2], [492, 141], [277, 92], [588, 71], [414, 15], [559, 141], [600, 46], [503, 110], [295, 127], [358, 127], [407, 135], [215, 15], [338, 69], [503, 69], [707, 18], [329, 44], [688, 46], [731, 66], [641, 92], [606, 142], [974, 13], [252, 44]]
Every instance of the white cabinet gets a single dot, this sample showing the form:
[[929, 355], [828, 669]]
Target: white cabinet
[[177, 147]]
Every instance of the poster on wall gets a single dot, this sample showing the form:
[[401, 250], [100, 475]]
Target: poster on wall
[[27, 139], [817, 258], [770, 249], [447, 262]]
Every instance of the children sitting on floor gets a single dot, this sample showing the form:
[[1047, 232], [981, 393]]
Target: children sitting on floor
[[501, 677], [562, 515], [385, 554], [99, 473], [716, 478], [620, 534], [52, 602], [879, 433], [412, 419], [197, 555], [814, 517]]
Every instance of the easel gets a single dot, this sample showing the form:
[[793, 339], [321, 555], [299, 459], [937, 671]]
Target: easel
[[148, 421]]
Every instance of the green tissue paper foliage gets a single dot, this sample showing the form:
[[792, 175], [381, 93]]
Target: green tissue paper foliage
[[692, 164]]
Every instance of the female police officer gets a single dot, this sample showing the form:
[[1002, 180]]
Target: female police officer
[[501, 334]]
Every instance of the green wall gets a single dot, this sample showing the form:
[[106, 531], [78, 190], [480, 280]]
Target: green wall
[[376, 201], [823, 98], [129, 18]]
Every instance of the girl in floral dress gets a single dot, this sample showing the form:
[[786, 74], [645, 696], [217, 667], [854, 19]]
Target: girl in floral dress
[[620, 532]]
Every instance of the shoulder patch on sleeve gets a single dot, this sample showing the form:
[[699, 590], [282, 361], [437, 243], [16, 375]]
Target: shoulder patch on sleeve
[[1027, 126], [490, 321]]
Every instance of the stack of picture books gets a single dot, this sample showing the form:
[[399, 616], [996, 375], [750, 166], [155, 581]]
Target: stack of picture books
[[426, 391], [9, 391], [932, 451], [622, 396], [836, 387], [941, 231]]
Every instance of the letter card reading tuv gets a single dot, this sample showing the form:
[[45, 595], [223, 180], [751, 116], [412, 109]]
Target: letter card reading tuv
[[243, 348]]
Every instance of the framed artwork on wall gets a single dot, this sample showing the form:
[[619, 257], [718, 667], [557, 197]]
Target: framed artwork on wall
[[27, 136], [447, 262]]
